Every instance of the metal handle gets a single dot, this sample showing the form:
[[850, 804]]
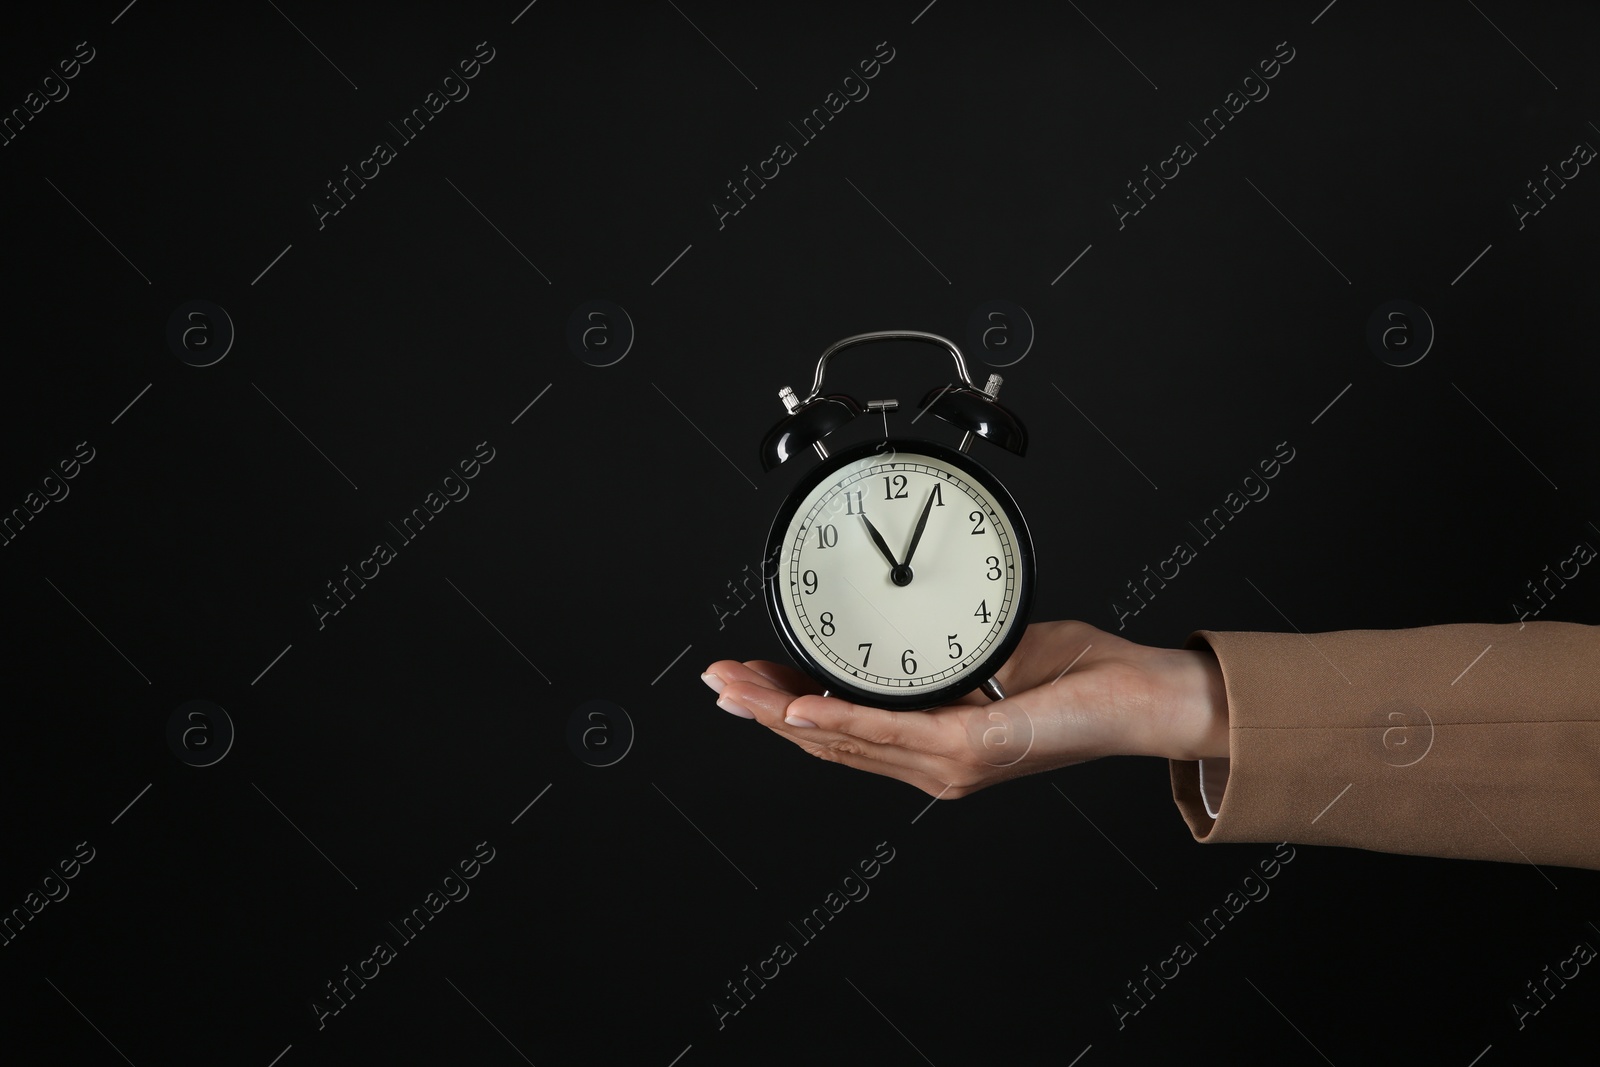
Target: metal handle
[[887, 335]]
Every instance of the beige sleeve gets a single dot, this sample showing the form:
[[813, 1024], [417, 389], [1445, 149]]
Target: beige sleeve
[[1472, 741]]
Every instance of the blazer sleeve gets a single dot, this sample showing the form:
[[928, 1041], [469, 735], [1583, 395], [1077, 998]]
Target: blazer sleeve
[[1471, 741]]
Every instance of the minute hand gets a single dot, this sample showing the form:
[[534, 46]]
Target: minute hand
[[916, 535]]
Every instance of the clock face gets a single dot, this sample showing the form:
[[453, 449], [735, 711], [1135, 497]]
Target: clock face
[[900, 574]]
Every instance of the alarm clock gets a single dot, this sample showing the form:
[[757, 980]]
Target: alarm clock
[[899, 572]]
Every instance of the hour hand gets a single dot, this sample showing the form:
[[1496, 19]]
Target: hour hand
[[877, 539]]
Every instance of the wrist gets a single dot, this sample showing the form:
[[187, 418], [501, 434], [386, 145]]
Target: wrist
[[1197, 699]]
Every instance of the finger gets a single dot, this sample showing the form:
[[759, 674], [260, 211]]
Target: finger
[[912, 731], [790, 680], [762, 672], [784, 676], [771, 707], [930, 732]]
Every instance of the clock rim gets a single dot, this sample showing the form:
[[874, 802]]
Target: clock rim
[[919, 700]]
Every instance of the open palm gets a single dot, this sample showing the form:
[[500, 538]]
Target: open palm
[[1075, 693]]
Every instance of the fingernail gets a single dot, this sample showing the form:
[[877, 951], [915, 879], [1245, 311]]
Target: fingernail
[[795, 720], [733, 709], [713, 681]]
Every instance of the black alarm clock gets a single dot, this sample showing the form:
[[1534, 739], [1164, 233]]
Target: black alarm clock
[[899, 572]]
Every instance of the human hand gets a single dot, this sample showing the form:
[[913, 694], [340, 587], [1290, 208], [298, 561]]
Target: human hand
[[1076, 693]]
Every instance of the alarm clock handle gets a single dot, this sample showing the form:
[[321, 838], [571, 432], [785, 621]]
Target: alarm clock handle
[[964, 405], [887, 335]]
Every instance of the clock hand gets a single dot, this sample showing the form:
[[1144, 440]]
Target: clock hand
[[916, 535], [877, 539]]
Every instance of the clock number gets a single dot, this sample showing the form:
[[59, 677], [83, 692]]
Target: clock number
[[827, 623], [894, 487], [810, 578], [853, 504], [866, 655], [955, 647], [994, 567], [828, 536], [908, 664], [982, 614], [977, 522], [938, 497]]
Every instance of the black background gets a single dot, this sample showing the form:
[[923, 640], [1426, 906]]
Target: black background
[[428, 714]]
